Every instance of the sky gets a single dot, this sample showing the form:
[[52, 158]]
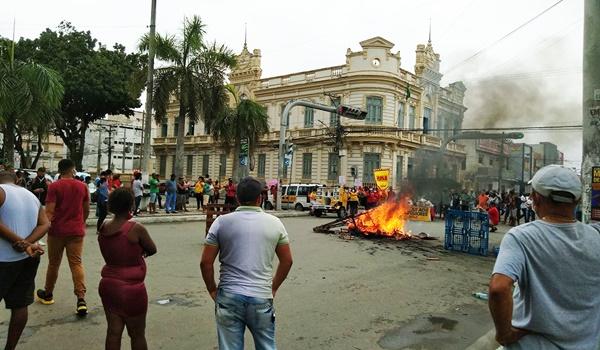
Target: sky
[[530, 78]]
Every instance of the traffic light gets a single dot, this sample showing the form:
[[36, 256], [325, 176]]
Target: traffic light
[[351, 112], [290, 148], [515, 135]]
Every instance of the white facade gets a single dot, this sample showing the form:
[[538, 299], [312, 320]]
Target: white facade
[[124, 135]]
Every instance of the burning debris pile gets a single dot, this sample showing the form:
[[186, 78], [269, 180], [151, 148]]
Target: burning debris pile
[[388, 220]]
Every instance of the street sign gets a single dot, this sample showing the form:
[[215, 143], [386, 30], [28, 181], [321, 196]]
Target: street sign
[[286, 162], [243, 160]]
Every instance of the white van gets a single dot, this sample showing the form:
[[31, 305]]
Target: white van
[[295, 196]]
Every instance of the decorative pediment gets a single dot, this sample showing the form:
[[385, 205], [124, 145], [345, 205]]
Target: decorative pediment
[[376, 42]]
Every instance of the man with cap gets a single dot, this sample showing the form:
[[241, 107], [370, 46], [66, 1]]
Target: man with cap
[[553, 263]]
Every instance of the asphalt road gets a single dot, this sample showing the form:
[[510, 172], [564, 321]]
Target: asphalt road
[[341, 294]]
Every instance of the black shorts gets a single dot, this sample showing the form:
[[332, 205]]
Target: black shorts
[[18, 282]]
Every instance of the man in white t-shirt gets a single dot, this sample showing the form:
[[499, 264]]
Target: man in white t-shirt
[[246, 241], [23, 222], [555, 264]]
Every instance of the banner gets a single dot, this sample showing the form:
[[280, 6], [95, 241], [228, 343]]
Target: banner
[[419, 213], [382, 177], [595, 194]]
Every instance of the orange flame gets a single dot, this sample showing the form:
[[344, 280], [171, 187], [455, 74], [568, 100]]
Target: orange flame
[[388, 219]]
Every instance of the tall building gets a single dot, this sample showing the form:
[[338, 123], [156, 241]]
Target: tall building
[[488, 164], [408, 115], [116, 139]]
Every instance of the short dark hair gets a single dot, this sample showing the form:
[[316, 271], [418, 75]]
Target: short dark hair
[[120, 201], [42, 169], [7, 176], [137, 176], [65, 165], [248, 190]]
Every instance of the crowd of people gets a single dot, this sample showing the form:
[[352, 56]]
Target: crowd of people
[[551, 262], [30, 210]]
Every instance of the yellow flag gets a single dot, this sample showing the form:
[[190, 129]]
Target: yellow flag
[[382, 178]]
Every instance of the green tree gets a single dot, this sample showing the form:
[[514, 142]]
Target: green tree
[[247, 119], [30, 93], [97, 81], [195, 76]]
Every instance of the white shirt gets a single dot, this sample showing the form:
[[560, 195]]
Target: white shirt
[[138, 188], [20, 213]]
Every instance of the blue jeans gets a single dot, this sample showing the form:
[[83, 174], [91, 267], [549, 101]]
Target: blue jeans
[[171, 201], [235, 312]]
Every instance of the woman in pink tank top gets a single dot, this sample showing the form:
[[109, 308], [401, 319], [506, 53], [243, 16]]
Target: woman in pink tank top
[[124, 245]]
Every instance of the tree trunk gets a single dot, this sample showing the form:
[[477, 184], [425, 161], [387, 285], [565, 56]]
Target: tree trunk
[[21, 152], [77, 157], [8, 144], [180, 145], [38, 153]]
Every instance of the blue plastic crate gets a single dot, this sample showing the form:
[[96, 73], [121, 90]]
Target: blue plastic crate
[[467, 231]]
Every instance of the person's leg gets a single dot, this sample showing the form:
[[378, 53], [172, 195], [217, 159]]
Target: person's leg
[[138, 201], [230, 315], [198, 201], [114, 331], [136, 328], [74, 248], [261, 323], [168, 203], [56, 246], [159, 197], [18, 320], [102, 213]]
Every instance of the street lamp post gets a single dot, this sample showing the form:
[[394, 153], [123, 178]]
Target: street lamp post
[[342, 110]]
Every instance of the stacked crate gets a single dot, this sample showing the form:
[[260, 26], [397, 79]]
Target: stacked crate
[[467, 231]]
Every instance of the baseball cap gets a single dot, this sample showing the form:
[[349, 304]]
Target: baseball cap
[[556, 182]]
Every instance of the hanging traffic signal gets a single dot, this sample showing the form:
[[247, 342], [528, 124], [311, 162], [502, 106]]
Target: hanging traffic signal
[[351, 112]]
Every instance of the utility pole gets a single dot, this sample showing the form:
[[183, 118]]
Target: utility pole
[[110, 147], [501, 164], [124, 150], [591, 109], [99, 161], [149, 89]]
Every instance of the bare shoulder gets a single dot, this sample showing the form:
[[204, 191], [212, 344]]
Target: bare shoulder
[[138, 230]]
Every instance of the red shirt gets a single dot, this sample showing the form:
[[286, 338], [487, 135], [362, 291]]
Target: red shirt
[[230, 190], [69, 195], [494, 215]]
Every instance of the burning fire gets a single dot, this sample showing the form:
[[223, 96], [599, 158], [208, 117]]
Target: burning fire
[[388, 219]]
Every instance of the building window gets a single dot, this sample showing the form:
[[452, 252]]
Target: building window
[[480, 159], [426, 120], [222, 165], [262, 164], [162, 166], [371, 161], [410, 168], [175, 128], [173, 159], [306, 165], [164, 127], [411, 117], [463, 165], [334, 118], [191, 127], [374, 110], [189, 165], [491, 162], [309, 117], [206, 129], [332, 166], [33, 147], [401, 115], [399, 169], [205, 164]]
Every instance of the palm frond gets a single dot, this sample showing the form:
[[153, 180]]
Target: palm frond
[[166, 84], [193, 34]]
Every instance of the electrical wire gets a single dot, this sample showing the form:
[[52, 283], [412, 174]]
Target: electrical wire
[[502, 38]]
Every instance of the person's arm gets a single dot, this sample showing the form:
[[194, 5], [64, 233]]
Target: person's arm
[[145, 240], [86, 206], [284, 254], [40, 230], [501, 307], [209, 255]]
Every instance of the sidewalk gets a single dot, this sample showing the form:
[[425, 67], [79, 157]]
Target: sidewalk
[[191, 216]]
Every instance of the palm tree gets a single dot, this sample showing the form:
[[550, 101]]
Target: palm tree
[[195, 77], [247, 119], [29, 95]]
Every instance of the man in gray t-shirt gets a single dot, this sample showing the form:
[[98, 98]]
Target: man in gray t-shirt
[[246, 242], [555, 263]]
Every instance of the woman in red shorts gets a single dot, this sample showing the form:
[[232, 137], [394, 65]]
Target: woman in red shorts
[[124, 245]]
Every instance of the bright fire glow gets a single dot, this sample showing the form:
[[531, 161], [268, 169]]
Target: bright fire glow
[[388, 219]]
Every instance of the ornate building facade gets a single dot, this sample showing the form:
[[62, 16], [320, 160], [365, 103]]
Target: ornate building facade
[[409, 114]]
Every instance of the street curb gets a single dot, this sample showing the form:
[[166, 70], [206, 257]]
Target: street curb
[[174, 218]]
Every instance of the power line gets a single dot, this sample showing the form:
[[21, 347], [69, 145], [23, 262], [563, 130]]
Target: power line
[[503, 37]]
